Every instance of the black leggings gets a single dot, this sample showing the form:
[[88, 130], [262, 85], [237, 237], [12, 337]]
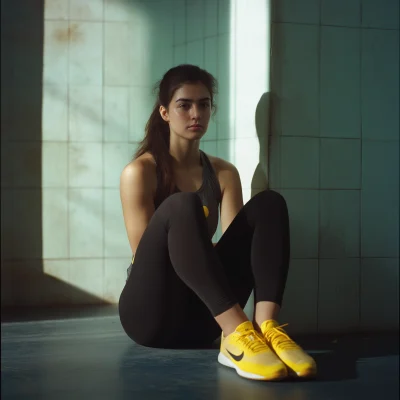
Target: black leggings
[[179, 281]]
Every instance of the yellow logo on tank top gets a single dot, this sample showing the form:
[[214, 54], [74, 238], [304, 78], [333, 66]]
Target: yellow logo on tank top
[[206, 212]]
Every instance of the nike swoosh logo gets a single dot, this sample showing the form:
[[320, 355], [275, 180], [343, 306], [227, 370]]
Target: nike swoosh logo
[[236, 358]]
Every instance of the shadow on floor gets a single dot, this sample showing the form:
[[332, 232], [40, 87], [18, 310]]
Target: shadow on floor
[[336, 356], [350, 367], [84, 353], [54, 313]]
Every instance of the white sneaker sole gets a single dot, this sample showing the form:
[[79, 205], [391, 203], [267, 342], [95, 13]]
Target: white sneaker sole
[[222, 359]]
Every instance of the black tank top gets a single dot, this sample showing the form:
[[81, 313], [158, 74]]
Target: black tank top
[[209, 193]]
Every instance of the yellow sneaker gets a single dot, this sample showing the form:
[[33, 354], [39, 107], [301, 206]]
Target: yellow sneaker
[[288, 351], [246, 351]]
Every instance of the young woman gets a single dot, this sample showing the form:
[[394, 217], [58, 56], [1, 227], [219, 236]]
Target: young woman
[[181, 289]]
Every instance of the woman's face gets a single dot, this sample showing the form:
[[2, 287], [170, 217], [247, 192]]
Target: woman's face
[[189, 111]]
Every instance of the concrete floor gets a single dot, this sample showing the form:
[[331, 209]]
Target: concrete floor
[[86, 355]]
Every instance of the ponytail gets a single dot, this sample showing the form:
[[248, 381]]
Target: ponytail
[[156, 142]]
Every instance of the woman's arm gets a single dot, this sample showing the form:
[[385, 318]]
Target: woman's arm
[[232, 197], [137, 186]]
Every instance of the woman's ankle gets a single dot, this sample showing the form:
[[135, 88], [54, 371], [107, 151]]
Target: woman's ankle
[[231, 319], [265, 311], [257, 327]]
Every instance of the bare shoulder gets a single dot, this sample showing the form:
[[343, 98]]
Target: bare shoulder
[[142, 172], [225, 171]]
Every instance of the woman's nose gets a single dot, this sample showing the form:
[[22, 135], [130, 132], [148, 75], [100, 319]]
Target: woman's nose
[[196, 112]]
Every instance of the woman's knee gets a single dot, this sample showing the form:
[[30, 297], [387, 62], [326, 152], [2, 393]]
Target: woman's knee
[[184, 203], [268, 198]]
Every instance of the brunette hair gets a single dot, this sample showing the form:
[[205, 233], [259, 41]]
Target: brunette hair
[[157, 134]]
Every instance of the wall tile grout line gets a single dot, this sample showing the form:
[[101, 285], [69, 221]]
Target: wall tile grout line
[[186, 33], [394, 141], [334, 26], [16, 259], [233, 31], [204, 39], [103, 150], [68, 142], [319, 53], [218, 232], [361, 168], [217, 70]]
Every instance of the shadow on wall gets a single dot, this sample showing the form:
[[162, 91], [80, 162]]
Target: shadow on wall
[[260, 177], [259, 181], [23, 281]]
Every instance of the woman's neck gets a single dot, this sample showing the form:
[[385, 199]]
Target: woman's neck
[[185, 155]]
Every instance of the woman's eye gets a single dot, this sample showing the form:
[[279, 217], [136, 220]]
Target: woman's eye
[[187, 106]]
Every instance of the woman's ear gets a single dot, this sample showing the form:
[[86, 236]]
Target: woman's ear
[[164, 113]]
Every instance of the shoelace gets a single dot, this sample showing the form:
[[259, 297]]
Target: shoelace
[[252, 340], [279, 338]]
